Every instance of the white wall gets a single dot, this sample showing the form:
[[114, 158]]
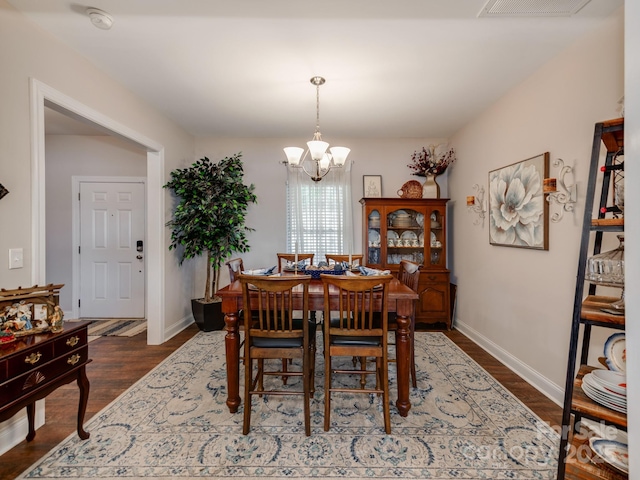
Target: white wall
[[262, 164], [27, 53], [517, 302], [79, 155]]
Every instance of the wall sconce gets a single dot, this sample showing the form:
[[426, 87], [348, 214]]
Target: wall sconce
[[557, 190], [477, 205]]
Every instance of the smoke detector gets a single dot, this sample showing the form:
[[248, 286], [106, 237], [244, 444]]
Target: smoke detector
[[99, 18]]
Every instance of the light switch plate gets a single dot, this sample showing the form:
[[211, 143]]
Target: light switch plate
[[15, 258]]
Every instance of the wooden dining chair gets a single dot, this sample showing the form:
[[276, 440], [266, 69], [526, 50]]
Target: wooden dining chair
[[354, 331], [334, 258], [275, 335], [409, 275], [283, 258], [236, 266]]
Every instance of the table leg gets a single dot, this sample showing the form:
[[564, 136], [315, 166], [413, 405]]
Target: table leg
[[403, 363], [232, 353], [31, 419], [83, 386]]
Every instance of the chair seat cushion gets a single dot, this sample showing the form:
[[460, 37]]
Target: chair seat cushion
[[355, 340], [266, 342]]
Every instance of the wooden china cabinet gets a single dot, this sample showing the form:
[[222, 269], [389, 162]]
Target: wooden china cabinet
[[396, 229]]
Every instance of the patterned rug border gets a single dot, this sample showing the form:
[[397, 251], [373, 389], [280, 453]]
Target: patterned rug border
[[316, 472]]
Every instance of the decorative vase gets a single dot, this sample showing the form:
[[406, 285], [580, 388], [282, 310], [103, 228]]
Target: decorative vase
[[430, 188]]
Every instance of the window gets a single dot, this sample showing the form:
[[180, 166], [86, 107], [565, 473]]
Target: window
[[319, 214]]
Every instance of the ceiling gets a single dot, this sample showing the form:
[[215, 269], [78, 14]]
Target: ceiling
[[241, 68]]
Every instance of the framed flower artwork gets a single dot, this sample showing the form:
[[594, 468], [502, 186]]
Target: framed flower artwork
[[518, 211]]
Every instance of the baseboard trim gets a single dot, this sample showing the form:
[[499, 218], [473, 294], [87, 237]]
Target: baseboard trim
[[177, 327], [15, 430], [545, 386]]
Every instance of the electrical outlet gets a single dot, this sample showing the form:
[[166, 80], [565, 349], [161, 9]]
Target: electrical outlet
[[15, 258]]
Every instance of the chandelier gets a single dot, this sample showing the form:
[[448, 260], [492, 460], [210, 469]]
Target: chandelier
[[321, 161]]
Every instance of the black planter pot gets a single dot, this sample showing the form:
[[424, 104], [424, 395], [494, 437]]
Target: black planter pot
[[208, 316]]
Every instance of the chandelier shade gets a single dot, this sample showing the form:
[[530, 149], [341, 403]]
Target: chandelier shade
[[321, 161]]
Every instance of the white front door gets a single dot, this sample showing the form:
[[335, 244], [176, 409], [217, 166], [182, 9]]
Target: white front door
[[112, 226]]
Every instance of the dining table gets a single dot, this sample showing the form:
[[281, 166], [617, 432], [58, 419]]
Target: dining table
[[401, 300]]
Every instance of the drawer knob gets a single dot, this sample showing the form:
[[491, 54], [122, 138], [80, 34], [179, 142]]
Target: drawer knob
[[73, 341], [73, 359], [33, 358]]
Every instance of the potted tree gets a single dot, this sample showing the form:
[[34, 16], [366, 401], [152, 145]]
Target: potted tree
[[210, 219]]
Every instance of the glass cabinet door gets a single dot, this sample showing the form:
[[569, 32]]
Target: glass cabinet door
[[405, 236], [373, 238], [436, 238]]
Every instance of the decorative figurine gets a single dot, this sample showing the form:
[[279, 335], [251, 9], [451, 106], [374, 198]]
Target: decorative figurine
[[56, 319]]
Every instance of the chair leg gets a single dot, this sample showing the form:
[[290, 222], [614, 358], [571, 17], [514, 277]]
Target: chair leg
[[306, 386], [248, 380], [385, 396], [327, 389], [260, 375], [312, 367], [414, 381], [363, 377], [284, 369]]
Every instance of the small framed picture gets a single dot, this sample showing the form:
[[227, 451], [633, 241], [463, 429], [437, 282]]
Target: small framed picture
[[372, 186]]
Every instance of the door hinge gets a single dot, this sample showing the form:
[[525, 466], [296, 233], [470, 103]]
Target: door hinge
[[78, 303], [78, 249]]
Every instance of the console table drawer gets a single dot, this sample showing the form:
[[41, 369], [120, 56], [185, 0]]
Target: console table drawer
[[70, 342], [39, 376], [29, 359]]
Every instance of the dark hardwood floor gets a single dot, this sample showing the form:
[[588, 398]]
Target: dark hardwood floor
[[118, 362]]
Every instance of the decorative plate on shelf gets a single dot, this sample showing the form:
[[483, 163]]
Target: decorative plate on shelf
[[613, 453], [420, 219], [615, 352], [409, 235], [411, 189], [374, 236]]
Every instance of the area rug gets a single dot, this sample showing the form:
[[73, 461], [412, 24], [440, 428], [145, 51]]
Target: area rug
[[116, 328], [174, 423]]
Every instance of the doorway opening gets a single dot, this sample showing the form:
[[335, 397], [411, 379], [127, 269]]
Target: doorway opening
[[43, 96]]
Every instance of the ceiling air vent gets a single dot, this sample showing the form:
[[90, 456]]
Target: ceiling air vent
[[532, 8]]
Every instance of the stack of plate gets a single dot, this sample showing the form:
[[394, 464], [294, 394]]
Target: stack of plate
[[401, 219], [607, 388]]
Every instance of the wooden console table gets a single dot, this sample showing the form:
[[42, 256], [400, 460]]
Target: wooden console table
[[35, 365]]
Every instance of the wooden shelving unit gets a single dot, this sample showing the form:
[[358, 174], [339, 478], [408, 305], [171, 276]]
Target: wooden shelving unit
[[576, 460]]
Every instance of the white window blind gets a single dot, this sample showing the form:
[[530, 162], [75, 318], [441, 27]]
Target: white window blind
[[319, 214]]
